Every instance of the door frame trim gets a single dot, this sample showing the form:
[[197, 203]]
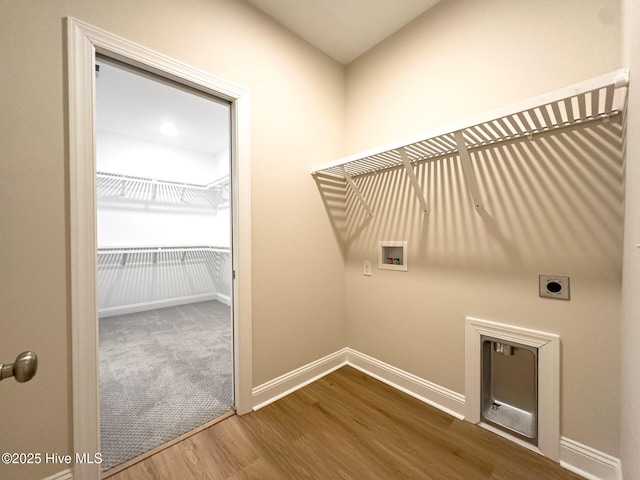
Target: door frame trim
[[84, 41]]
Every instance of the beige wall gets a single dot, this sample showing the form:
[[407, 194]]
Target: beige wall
[[553, 206], [297, 102], [464, 58]]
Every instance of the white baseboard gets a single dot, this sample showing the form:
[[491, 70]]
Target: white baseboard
[[440, 397], [435, 395], [144, 306], [580, 459], [226, 299], [288, 383], [63, 475], [588, 462]]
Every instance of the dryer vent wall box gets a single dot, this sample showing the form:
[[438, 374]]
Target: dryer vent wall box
[[554, 286], [392, 255]]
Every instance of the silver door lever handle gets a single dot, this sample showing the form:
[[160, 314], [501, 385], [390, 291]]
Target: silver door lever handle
[[23, 369]]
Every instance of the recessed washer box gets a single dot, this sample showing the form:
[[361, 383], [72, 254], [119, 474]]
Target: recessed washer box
[[554, 286], [392, 255]]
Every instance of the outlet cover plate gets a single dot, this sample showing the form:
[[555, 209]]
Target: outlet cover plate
[[366, 268], [554, 286]]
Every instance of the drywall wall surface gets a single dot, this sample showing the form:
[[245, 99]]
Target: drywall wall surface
[[127, 224], [139, 282], [127, 155], [553, 205], [297, 99], [630, 327], [464, 58]]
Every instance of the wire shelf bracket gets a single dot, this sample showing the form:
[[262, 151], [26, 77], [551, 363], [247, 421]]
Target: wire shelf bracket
[[467, 170], [357, 191], [413, 179]]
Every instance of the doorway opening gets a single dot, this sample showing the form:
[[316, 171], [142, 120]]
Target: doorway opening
[[164, 270], [84, 42]]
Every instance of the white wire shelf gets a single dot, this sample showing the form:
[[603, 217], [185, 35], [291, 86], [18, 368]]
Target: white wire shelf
[[170, 249], [155, 254], [149, 189], [597, 99]]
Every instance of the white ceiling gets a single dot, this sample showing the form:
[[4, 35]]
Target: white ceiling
[[344, 29], [132, 109], [136, 105]]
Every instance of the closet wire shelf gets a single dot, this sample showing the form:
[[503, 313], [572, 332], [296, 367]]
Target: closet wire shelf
[[215, 194], [157, 254], [597, 99]]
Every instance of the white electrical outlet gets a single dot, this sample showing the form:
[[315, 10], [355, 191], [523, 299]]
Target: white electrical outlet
[[366, 268]]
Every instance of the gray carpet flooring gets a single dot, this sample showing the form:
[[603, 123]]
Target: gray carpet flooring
[[162, 373]]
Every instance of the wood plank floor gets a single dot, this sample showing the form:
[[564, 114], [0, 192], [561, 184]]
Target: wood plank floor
[[348, 426]]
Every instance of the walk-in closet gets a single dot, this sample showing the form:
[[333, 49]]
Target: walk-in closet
[[164, 260]]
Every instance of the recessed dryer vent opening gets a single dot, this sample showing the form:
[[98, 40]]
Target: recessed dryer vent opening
[[510, 387], [512, 383]]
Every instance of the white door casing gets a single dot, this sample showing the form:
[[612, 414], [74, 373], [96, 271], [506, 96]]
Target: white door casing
[[84, 41]]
